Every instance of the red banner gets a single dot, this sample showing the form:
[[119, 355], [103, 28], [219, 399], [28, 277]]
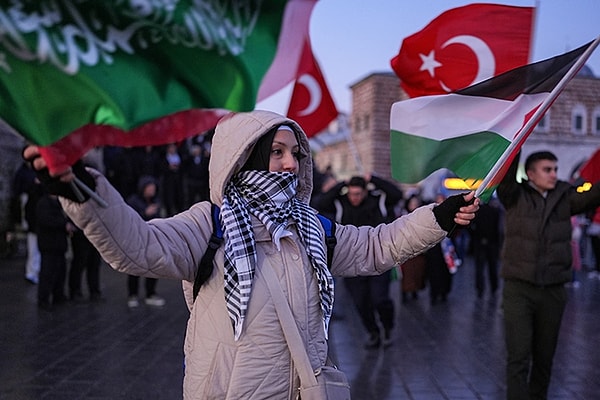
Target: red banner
[[311, 104], [464, 46]]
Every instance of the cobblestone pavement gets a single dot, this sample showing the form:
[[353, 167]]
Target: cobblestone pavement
[[104, 350]]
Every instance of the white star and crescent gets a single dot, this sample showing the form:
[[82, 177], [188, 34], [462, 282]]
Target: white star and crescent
[[429, 63], [314, 92], [486, 63]]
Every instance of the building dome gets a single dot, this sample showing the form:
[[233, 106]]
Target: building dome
[[586, 72]]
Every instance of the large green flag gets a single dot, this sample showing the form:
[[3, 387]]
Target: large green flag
[[69, 64]]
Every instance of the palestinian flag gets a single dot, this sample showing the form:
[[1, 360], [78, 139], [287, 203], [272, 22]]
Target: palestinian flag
[[467, 131], [137, 74]]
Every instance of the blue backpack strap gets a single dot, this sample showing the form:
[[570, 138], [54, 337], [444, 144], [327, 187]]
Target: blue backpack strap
[[330, 240], [205, 267]]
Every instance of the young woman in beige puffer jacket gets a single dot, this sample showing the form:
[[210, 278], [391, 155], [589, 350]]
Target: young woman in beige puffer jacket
[[261, 178]]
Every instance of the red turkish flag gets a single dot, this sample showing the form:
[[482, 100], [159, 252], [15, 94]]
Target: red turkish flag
[[311, 105], [590, 171], [463, 46]]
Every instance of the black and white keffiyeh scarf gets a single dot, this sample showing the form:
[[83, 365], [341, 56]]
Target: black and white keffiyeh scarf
[[271, 197]]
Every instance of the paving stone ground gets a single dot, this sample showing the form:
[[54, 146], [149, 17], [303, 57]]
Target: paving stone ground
[[102, 351]]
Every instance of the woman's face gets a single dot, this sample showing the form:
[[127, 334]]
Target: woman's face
[[285, 153]]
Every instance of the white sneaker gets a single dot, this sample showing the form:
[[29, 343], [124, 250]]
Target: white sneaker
[[155, 300], [133, 302]]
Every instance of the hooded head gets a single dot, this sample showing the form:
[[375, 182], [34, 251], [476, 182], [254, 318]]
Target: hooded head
[[236, 136], [143, 182]]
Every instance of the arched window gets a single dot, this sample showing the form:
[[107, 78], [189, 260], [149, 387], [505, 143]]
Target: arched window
[[596, 121], [578, 121], [544, 125]]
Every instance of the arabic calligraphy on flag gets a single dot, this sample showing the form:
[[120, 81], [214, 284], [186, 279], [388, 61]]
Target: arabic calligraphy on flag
[[464, 46], [69, 65]]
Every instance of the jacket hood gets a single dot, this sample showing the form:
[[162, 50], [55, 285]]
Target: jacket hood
[[235, 137], [144, 181]]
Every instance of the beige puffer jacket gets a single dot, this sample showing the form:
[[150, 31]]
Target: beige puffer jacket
[[258, 365]]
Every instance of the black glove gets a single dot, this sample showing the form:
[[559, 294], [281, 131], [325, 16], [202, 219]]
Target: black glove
[[53, 185], [446, 211]]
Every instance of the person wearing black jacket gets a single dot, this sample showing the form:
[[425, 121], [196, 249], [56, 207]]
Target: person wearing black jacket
[[352, 203], [485, 240], [147, 204], [536, 263], [53, 229]]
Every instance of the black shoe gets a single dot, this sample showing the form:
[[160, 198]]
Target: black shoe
[[373, 342]]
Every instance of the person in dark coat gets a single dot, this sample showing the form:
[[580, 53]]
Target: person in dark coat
[[27, 187], [438, 274], [412, 271], [195, 175], [485, 240], [85, 258], [360, 206], [146, 202], [536, 264], [172, 180], [53, 229]]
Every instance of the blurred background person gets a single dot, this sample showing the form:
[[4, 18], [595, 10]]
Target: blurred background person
[[353, 203], [413, 271], [146, 202], [53, 230], [485, 241]]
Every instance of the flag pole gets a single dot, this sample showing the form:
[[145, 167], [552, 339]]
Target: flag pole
[[539, 112]]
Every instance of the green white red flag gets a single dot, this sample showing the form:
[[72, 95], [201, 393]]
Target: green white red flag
[[76, 74], [476, 132], [464, 46]]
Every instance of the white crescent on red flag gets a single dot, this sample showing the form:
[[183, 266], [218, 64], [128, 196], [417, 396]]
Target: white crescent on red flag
[[311, 104], [464, 46]]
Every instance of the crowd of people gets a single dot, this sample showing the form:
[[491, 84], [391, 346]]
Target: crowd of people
[[157, 181], [521, 242], [261, 180]]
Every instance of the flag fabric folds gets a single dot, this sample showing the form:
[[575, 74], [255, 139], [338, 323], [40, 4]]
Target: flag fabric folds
[[111, 66], [464, 46], [590, 171], [468, 131], [311, 104]]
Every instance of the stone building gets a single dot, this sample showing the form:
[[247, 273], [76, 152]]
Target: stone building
[[571, 128], [11, 145]]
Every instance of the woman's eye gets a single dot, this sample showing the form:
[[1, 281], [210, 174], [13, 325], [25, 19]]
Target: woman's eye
[[276, 152], [299, 155]]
